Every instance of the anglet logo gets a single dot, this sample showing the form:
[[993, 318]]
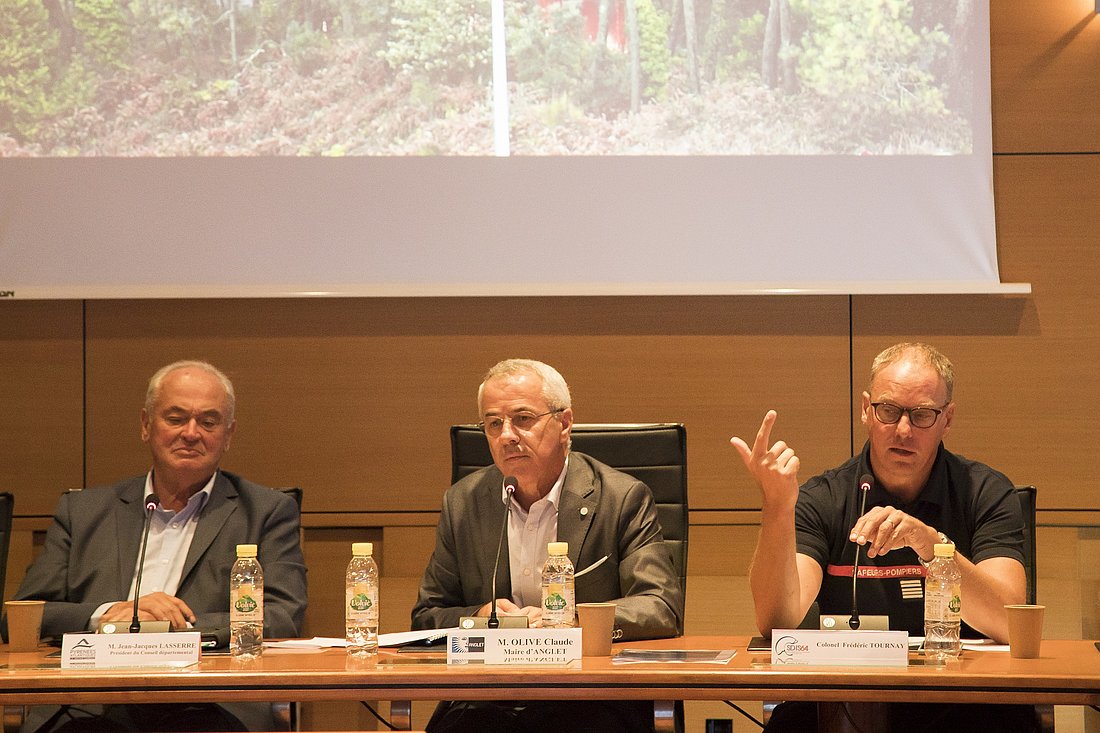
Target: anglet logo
[[361, 602], [467, 644], [955, 604], [245, 604]]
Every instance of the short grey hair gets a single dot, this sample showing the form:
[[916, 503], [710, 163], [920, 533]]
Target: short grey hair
[[921, 354], [152, 392], [554, 389]]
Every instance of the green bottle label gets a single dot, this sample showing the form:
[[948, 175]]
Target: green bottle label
[[554, 602], [246, 604]]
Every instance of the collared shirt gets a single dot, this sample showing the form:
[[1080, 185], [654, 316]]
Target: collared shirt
[[170, 535], [528, 534], [974, 505]]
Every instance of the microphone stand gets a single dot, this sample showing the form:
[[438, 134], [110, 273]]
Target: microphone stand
[[865, 488], [509, 489], [150, 506]]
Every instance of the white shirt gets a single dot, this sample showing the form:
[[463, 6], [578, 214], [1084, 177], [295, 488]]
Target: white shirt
[[528, 534], [170, 535]]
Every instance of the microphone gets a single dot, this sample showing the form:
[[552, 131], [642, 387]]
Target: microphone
[[510, 484], [865, 483], [151, 502]]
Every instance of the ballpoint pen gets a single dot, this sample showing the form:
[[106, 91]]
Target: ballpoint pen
[[591, 567]]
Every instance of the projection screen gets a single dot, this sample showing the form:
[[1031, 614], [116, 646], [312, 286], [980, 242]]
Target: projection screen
[[534, 147]]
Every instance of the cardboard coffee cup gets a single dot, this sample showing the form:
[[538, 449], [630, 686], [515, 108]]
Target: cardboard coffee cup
[[597, 622], [24, 624], [1025, 630]]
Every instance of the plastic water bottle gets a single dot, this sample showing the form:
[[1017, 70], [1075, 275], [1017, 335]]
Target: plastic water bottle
[[942, 605], [246, 604], [361, 601], [559, 608]]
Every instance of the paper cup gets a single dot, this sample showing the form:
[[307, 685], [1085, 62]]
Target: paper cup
[[24, 624], [597, 622], [1025, 630]]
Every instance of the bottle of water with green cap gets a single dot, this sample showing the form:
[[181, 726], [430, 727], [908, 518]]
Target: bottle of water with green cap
[[361, 601], [246, 604], [559, 608], [943, 605]]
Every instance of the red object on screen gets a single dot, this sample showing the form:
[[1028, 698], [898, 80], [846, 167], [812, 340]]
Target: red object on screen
[[616, 23]]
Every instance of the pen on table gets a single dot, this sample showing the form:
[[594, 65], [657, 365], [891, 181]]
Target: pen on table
[[591, 567]]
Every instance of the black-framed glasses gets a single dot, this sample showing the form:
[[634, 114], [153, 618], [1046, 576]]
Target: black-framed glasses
[[919, 417], [521, 421]]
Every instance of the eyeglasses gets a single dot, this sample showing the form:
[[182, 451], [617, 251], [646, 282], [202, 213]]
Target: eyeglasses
[[521, 421], [919, 417]]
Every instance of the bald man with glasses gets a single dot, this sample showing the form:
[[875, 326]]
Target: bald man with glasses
[[921, 495]]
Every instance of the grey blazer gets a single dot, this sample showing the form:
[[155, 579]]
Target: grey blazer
[[602, 512], [92, 547]]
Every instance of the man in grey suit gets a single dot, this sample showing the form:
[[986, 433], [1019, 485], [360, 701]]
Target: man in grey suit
[[607, 517], [86, 571]]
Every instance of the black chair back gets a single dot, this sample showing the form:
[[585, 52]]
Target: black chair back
[[295, 493], [1026, 494], [653, 453], [7, 506]]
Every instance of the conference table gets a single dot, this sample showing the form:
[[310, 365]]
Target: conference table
[[1067, 673]]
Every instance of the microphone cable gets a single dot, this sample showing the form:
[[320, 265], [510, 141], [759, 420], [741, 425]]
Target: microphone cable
[[377, 715]]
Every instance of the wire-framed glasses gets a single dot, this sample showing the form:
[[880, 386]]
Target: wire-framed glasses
[[493, 425]]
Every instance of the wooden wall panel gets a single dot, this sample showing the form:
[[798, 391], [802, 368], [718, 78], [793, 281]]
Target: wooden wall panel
[[1044, 59], [1025, 364], [352, 398], [41, 401]]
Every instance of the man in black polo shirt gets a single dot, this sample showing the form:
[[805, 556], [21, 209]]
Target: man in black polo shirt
[[923, 495]]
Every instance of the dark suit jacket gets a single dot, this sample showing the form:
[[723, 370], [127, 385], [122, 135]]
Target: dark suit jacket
[[620, 522], [92, 548]]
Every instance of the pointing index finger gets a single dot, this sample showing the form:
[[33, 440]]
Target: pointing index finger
[[764, 435], [760, 445]]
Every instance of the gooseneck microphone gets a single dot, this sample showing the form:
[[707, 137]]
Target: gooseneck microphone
[[151, 502], [510, 484], [865, 483]]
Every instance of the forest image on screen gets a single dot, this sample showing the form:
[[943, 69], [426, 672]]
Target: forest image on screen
[[415, 77]]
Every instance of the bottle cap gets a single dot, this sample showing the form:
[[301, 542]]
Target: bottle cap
[[362, 549], [246, 550], [947, 550], [557, 548]]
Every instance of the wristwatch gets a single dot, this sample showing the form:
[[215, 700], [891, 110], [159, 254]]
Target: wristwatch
[[943, 541]]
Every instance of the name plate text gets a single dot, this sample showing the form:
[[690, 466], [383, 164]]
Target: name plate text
[[840, 648], [130, 651], [514, 646]]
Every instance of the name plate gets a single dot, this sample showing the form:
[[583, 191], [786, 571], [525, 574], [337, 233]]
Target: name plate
[[514, 646], [840, 648], [130, 651]]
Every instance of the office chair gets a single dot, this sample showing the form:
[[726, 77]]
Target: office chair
[[653, 453], [7, 507], [1026, 495]]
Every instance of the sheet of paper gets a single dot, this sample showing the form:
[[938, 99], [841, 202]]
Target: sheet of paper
[[401, 638], [317, 642]]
